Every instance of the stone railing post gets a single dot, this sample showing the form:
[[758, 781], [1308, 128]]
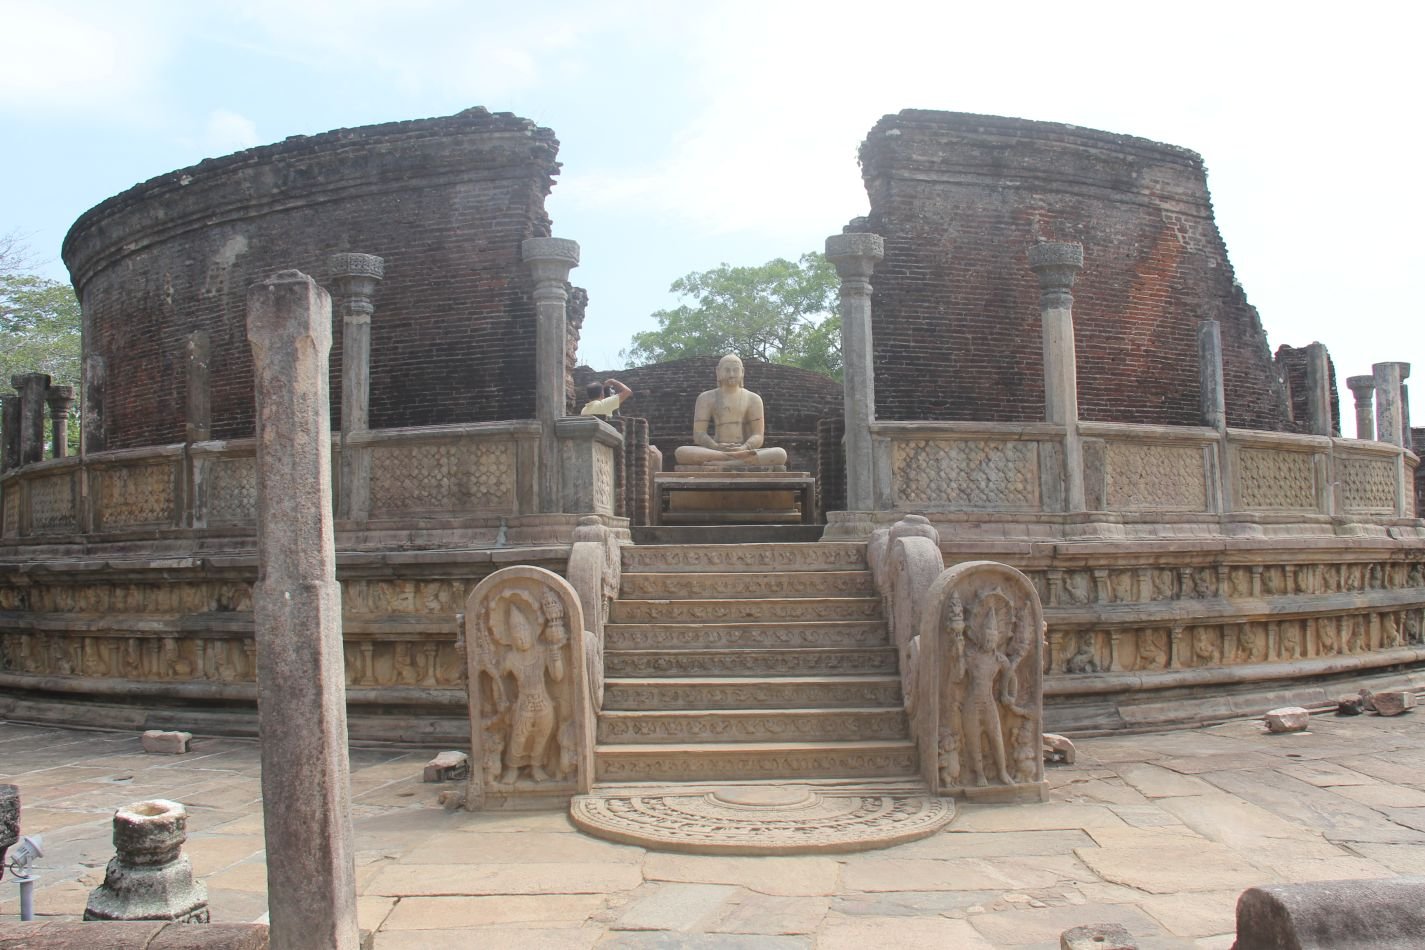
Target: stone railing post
[[1209, 369], [91, 405], [1363, 388], [301, 686], [32, 388], [1056, 265], [1390, 410], [550, 260], [854, 256], [1318, 391], [354, 278], [60, 400], [198, 424], [10, 432]]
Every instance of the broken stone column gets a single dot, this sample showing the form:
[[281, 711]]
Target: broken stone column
[[1330, 915], [354, 278], [10, 432], [149, 877], [1056, 265], [1363, 388], [61, 400], [855, 256], [1390, 410], [1209, 363], [1318, 390], [301, 687], [32, 388], [198, 419], [91, 407], [550, 260]]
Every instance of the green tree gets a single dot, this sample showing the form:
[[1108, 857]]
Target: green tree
[[39, 323], [780, 312]]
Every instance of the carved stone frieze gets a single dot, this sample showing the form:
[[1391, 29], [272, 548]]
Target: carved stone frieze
[[785, 584], [1273, 479], [136, 495], [1368, 485], [755, 725], [603, 479], [629, 764], [965, 474], [1148, 476], [726, 557], [733, 611], [804, 662], [675, 637], [456, 477], [831, 692]]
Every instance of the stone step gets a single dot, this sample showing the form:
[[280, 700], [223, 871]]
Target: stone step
[[743, 556], [753, 725], [746, 585], [795, 610], [797, 661], [739, 761], [735, 692], [727, 636], [722, 534]]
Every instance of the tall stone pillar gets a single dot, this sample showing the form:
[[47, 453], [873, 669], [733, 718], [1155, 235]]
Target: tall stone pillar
[[1390, 408], [32, 388], [10, 432], [301, 687], [550, 260], [855, 256], [60, 399], [91, 406], [198, 420], [354, 278], [1363, 388], [1209, 368], [1056, 265], [1318, 391]]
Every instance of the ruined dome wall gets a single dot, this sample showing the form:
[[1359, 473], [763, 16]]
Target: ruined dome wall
[[959, 199], [446, 202], [664, 394]]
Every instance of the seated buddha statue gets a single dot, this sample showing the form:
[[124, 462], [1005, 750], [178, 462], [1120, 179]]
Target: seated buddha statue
[[728, 425]]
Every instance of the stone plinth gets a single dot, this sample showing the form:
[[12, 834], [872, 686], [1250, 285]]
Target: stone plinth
[[149, 878], [733, 497]]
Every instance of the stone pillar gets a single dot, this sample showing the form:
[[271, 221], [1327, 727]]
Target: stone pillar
[[198, 419], [1390, 411], [855, 256], [10, 432], [301, 687], [1209, 368], [91, 405], [32, 388], [1363, 388], [149, 877], [1056, 265], [60, 399], [354, 278], [550, 260], [1318, 391]]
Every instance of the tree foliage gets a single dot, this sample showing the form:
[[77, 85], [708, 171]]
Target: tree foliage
[[779, 312], [39, 323]]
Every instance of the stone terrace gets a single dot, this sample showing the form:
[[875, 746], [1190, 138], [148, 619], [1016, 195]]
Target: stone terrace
[[1157, 832]]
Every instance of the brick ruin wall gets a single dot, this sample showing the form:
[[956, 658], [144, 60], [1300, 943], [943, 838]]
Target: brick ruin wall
[[1291, 370], [446, 202], [664, 394], [959, 199]]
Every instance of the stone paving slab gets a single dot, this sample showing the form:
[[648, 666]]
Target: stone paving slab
[[1158, 832]]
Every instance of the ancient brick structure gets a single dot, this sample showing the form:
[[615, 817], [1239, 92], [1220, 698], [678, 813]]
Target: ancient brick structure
[[446, 202], [958, 198], [1291, 369], [664, 393]]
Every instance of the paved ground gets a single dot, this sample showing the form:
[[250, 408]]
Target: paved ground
[[1158, 832]]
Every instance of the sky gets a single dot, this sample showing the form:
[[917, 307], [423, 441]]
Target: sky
[[701, 133]]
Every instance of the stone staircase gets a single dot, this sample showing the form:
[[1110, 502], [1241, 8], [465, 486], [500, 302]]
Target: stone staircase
[[749, 662]]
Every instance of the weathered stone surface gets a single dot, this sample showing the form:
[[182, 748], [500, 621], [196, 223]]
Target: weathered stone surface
[[1058, 749], [447, 767], [784, 877], [1333, 915], [861, 932], [149, 878], [1168, 869], [1394, 702], [9, 818], [166, 743], [130, 935], [681, 907], [1097, 937], [1287, 719], [1352, 704]]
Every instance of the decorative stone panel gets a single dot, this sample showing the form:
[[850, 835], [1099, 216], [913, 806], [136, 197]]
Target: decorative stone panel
[[136, 495], [603, 479], [471, 476], [972, 474], [1367, 484], [1272, 479], [232, 490], [1147, 476], [12, 510], [52, 508]]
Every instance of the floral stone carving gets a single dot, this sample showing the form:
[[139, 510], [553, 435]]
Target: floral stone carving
[[980, 709], [531, 722]]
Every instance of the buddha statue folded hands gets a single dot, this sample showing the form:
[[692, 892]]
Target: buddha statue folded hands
[[728, 426]]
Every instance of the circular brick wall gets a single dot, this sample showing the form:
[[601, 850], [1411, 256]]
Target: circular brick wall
[[445, 201]]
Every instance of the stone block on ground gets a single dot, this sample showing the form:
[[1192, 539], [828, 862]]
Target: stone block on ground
[[1351, 704], [1394, 702], [1367, 700], [166, 742], [1058, 749], [1287, 719], [1097, 937], [1338, 915], [9, 817], [447, 767]]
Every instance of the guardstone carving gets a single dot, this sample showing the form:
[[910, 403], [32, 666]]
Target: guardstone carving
[[530, 716]]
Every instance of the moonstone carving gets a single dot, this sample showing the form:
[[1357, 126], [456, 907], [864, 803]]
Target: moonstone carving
[[528, 679], [980, 711]]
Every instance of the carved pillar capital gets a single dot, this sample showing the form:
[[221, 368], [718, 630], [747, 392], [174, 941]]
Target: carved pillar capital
[[1056, 264], [550, 260], [855, 257], [354, 278]]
